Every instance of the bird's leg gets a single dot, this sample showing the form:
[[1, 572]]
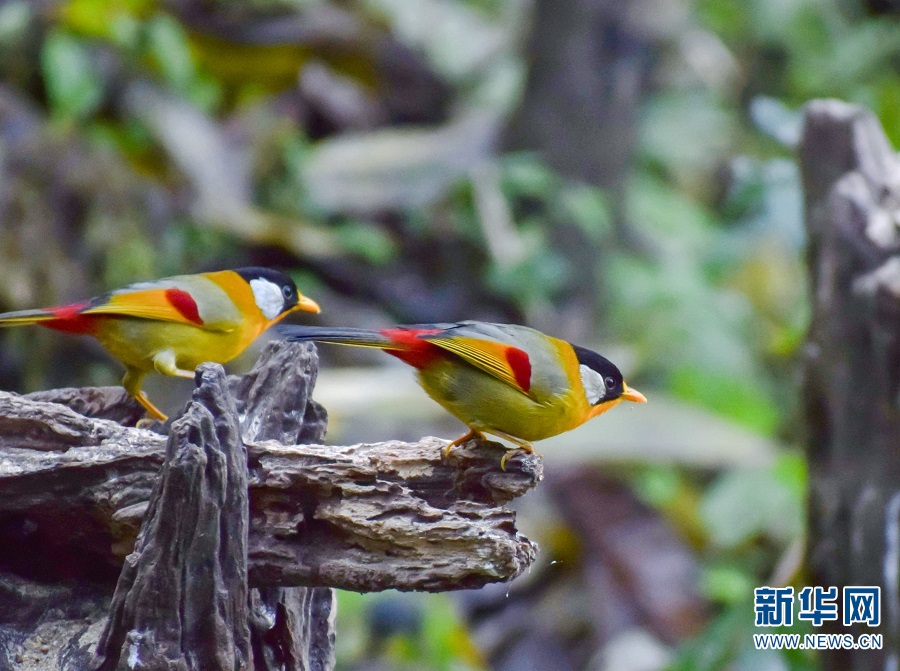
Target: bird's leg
[[523, 445], [473, 434], [132, 383], [164, 363]]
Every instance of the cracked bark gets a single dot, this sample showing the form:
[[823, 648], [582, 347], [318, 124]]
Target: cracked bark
[[245, 568], [181, 600], [851, 178]]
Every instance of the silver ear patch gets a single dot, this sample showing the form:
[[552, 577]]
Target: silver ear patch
[[592, 381], [268, 297]]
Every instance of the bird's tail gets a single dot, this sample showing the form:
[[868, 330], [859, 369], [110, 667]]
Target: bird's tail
[[24, 317], [341, 336], [67, 318]]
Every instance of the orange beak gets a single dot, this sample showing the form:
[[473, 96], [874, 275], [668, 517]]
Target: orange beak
[[632, 395], [307, 305]]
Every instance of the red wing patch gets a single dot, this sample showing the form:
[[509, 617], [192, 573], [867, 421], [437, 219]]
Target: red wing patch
[[520, 365], [183, 302]]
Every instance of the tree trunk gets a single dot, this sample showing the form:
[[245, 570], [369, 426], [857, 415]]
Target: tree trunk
[[851, 177], [590, 63]]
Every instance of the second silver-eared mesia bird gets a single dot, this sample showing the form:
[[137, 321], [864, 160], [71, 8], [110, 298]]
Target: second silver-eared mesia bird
[[507, 380], [172, 325]]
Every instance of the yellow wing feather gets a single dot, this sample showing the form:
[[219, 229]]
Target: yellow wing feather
[[491, 357], [169, 304]]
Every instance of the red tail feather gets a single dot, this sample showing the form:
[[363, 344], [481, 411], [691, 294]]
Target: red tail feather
[[68, 318], [417, 353]]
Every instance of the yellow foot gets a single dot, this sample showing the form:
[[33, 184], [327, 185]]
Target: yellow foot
[[132, 384], [471, 435], [152, 411], [523, 447]]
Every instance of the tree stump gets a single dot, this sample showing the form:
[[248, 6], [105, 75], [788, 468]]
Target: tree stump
[[851, 177], [219, 544]]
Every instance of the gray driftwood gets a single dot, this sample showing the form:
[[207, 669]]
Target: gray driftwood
[[851, 178], [290, 627], [181, 601], [244, 533]]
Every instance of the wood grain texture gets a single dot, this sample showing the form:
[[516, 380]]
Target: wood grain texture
[[181, 600], [254, 530], [851, 177]]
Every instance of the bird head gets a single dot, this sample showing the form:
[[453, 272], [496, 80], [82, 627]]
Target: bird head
[[275, 293], [604, 386]]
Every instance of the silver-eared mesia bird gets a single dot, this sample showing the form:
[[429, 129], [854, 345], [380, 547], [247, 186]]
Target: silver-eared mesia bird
[[172, 325], [507, 380]]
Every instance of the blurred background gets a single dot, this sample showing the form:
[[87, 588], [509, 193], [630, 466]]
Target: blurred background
[[618, 173]]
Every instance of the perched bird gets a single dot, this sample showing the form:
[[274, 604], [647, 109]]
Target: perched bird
[[172, 325], [507, 380]]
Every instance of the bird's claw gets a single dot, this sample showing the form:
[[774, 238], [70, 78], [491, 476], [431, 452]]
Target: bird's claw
[[462, 440], [520, 447], [477, 435]]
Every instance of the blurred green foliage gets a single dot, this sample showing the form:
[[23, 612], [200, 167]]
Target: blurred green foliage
[[725, 645], [405, 632], [73, 89]]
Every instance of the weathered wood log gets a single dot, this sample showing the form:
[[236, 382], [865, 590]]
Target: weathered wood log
[[182, 597], [362, 517], [74, 491], [851, 177], [291, 628]]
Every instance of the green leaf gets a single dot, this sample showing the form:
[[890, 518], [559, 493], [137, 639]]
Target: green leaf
[[886, 94], [744, 504], [525, 174], [367, 241], [673, 219], [588, 207], [740, 399], [441, 644], [74, 89], [686, 133], [657, 485], [727, 643], [727, 584], [792, 471], [168, 47], [535, 278]]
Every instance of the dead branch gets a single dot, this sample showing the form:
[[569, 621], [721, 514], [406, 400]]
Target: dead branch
[[362, 517], [221, 509]]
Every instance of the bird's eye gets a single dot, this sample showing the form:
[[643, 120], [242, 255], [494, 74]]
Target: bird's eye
[[287, 292], [609, 382]]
